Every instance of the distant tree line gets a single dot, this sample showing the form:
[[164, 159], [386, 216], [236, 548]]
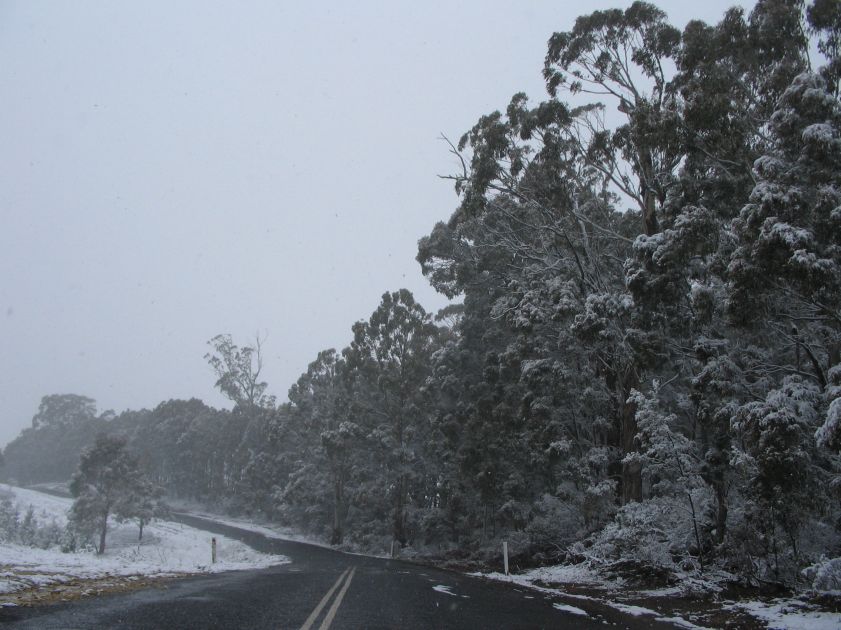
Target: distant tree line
[[659, 383]]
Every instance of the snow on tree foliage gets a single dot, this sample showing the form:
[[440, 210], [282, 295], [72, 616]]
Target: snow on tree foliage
[[644, 368], [109, 483], [829, 433]]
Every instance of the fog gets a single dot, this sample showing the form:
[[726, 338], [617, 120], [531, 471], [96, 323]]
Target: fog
[[172, 171]]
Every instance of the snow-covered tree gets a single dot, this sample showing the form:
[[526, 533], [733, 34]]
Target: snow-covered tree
[[776, 453], [108, 482], [238, 370], [388, 363]]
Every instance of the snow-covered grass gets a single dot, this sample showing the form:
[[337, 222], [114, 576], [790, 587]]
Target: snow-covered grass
[[577, 575], [571, 609], [670, 604], [790, 614], [547, 579], [634, 611], [567, 574], [167, 549]]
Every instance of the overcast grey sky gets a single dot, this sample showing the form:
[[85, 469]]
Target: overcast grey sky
[[174, 170]]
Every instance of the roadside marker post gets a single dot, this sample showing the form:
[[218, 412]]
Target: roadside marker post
[[213, 550], [505, 555]]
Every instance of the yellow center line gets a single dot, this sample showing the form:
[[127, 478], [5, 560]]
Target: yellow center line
[[332, 612], [315, 613]]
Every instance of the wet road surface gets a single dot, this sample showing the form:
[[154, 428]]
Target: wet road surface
[[321, 589]]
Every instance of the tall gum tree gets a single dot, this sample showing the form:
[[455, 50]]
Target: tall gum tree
[[319, 402], [389, 362]]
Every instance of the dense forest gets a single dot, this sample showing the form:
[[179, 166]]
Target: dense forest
[[642, 359]]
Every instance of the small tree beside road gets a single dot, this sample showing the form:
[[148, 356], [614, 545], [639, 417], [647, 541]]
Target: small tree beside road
[[110, 482], [144, 504]]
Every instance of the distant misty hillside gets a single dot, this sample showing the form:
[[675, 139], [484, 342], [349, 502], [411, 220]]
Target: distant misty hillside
[[65, 425], [49, 450]]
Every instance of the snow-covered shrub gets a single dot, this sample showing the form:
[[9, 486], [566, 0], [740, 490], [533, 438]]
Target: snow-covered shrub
[[9, 520], [752, 553], [597, 504], [829, 433], [824, 575], [755, 550], [657, 533], [555, 522], [49, 534], [776, 459], [820, 536], [28, 530]]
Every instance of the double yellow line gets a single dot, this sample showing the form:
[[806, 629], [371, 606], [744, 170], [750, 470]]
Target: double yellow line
[[331, 614]]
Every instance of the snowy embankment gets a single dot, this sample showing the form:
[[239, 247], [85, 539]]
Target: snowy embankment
[[167, 549], [694, 603]]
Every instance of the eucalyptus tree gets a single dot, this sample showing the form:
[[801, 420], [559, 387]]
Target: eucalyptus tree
[[785, 278], [601, 301], [63, 409], [624, 56], [319, 440], [252, 467], [238, 370], [824, 17], [388, 363]]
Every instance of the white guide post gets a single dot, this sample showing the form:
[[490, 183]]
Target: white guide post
[[505, 555]]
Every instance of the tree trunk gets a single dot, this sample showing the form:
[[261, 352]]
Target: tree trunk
[[338, 513], [399, 512], [102, 532], [631, 471], [721, 512], [650, 224]]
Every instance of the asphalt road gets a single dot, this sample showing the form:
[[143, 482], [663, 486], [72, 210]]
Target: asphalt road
[[320, 589]]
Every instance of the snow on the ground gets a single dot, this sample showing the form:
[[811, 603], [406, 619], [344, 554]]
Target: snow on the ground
[[443, 588], [570, 609], [580, 574], [47, 507], [447, 590], [635, 611], [779, 614], [565, 574], [167, 548], [640, 611], [529, 581], [790, 614], [681, 622], [60, 488]]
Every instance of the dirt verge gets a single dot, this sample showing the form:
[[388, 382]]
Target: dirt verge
[[64, 589]]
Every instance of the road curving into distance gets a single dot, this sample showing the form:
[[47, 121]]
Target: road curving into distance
[[322, 589]]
